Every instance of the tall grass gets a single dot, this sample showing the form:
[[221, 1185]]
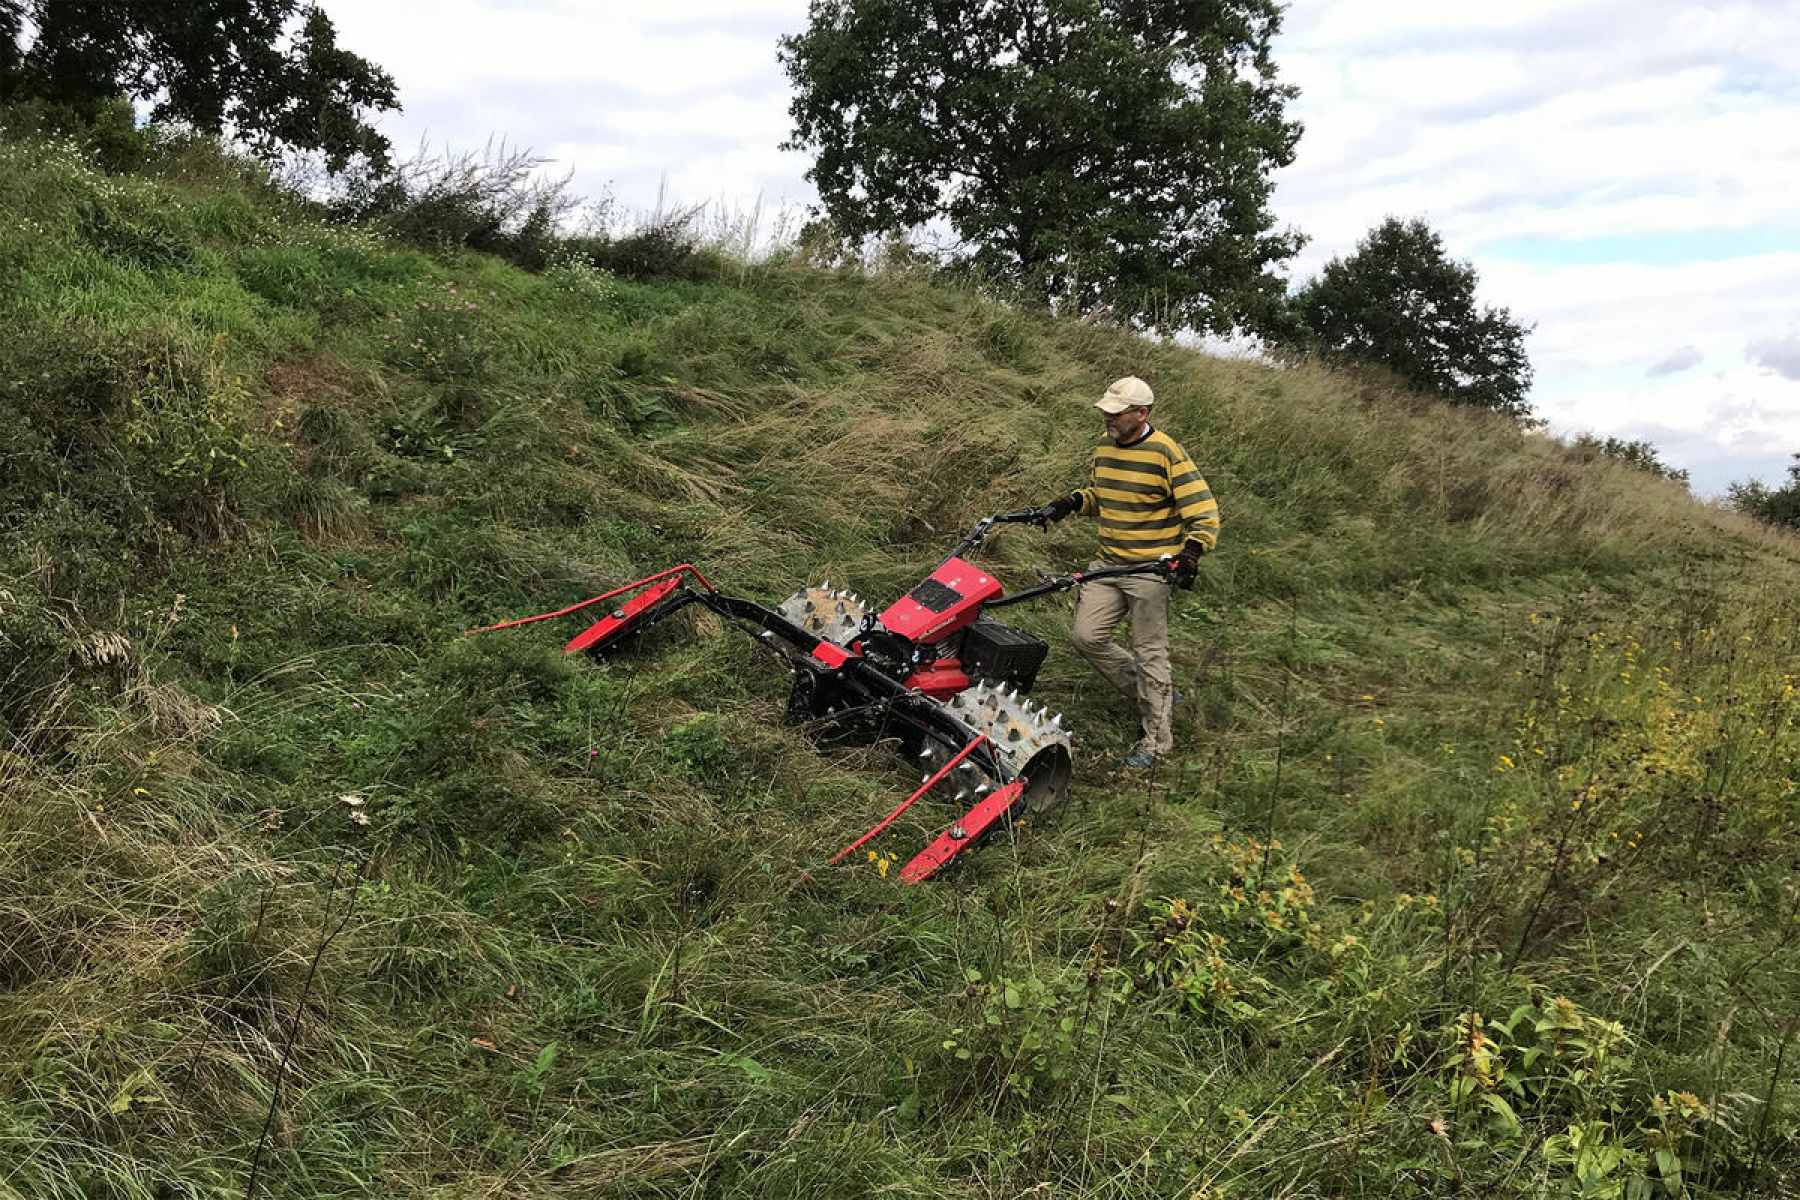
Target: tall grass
[[1522, 922]]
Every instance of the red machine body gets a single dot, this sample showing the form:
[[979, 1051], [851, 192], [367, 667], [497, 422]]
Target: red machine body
[[933, 613], [940, 679], [949, 599]]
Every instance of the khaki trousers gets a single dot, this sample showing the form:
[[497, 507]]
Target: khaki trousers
[[1144, 673]]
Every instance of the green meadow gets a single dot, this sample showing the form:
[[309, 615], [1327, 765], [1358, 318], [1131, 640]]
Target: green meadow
[[1476, 871]]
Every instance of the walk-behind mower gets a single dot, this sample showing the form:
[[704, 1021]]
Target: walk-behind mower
[[932, 672]]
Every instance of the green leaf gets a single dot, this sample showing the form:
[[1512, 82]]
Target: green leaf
[[907, 1113], [1512, 1022], [136, 1090], [749, 1066], [1507, 1120]]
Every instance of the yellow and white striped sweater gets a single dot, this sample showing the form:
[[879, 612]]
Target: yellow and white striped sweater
[[1150, 500]]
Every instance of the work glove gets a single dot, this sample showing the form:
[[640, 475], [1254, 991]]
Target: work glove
[[1059, 508], [1187, 564]]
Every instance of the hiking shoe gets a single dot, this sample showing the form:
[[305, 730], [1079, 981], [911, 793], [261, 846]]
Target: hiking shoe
[[1141, 759]]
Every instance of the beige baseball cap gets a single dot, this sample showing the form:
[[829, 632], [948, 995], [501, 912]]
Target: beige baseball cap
[[1125, 393]]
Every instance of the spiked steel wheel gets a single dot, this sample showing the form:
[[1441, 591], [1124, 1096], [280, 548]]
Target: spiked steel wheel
[[933, 670], [826, 612], [1031, 740]]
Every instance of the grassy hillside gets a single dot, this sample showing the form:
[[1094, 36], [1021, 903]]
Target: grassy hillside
[[1475, 873]]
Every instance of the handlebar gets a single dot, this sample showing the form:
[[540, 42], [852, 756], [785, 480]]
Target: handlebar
[[1163, 567], [973, 539], [1029, 516]]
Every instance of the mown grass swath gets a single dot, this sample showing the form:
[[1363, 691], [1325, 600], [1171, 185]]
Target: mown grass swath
[[1524, 921]]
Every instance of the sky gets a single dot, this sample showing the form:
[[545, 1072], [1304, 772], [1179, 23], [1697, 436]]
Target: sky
[[1620, 174]]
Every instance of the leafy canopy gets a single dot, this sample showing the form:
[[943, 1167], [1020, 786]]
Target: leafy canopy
[[1772, 506], [1109, 155], [1400, 302], [269, 71], [1639, 453]]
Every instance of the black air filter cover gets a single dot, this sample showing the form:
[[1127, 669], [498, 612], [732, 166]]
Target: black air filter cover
[[1001, 653]]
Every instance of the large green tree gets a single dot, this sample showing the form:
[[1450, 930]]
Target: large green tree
[[1109, 155], [1401, 302], [269, 72]]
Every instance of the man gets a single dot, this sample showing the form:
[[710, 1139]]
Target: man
[[1152, 504]]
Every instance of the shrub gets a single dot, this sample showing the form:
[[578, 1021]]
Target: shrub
[[134, 238], [108, 134], [496, 202], [1772, 506], [183, 429], [1208, 955], [55, 381], [436, 330], [37, 658], [1640, 454], [668, 247], [1022, 1034], [576, 273], [125, 437]]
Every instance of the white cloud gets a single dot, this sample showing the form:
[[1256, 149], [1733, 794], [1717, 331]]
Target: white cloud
[[1601, 315], [1543, 138], [685, 97], [1675, 362], [1560, 120], [1779, 353], [454, 46], [1652, 156], [1602, 327]]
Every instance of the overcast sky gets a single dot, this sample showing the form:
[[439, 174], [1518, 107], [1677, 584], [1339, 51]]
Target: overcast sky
[[1620, 172]]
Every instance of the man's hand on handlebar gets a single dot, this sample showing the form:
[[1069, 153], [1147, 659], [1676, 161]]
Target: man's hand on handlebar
[[1056, 510], [1186, 565]]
